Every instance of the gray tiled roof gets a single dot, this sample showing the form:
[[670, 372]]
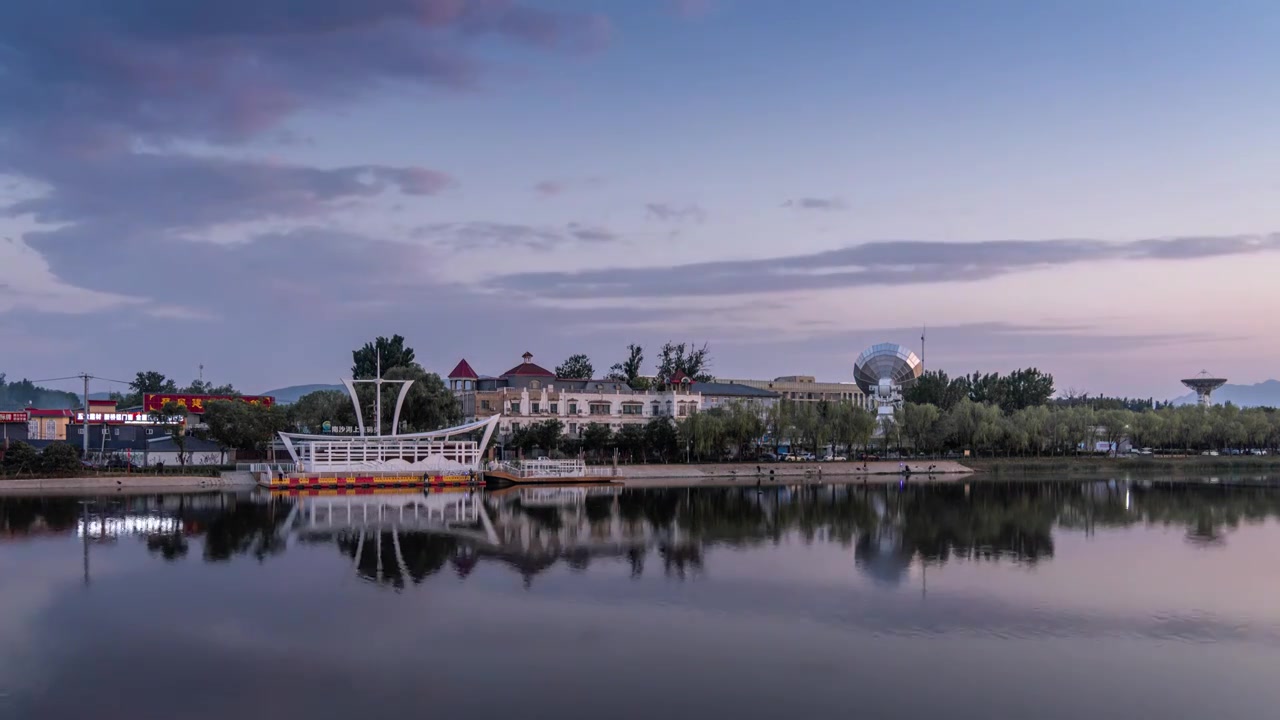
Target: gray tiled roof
[[732, 390]]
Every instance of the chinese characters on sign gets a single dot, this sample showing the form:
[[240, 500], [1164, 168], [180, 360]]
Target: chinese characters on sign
[[198, 403], [13, 417]]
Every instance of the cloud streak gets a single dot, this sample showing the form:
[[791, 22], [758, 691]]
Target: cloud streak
[[667, 212], [878, 263], [464, 236], [816, 203]]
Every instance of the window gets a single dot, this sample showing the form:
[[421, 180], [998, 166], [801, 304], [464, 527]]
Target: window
[[535, 407], [149, 431], [484, 405], [535, 385], [515, 426], [555, 408], [515, 407], [573, 429], [600, 408], [684, 409], [632, 409], [573, 408], [657, 409]]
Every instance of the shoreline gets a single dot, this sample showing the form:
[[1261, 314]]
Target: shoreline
[[150, 483]]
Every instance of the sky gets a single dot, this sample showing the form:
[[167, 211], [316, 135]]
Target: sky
[[260, 186]]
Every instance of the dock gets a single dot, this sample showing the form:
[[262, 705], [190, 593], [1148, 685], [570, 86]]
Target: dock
[[544, 471]]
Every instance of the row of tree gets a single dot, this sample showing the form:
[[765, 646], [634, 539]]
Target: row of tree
[[1015, 391], [986, 429], [692, 360], [23, 393]]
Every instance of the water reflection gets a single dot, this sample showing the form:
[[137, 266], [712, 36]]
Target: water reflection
[[400, 540]]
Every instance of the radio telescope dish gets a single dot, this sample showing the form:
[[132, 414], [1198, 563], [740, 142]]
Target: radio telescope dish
[[883, 370], [1204, 384]]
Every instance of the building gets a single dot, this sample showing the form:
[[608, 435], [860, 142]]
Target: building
[[529, 393], [805, 388], [722, 394]]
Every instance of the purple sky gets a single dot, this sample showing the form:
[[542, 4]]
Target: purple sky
[[260, 186]]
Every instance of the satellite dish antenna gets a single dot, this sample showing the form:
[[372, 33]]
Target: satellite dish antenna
[[882, 372], [1204, 384]]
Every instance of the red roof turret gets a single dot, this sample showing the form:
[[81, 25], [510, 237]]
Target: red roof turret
[[463, 372]]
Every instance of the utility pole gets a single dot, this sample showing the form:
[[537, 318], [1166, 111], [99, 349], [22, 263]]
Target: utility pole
[[923, 331], [85, 426], [377, 398]]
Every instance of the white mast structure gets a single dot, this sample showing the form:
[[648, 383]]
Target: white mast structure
[[377, 382]]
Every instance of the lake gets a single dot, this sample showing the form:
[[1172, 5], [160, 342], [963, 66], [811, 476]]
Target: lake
[[982, 600]]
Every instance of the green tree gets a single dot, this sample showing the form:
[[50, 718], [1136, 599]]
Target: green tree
[[428, 406], [629, 370], [146, 382], [547, 434], [596, 438], [853, 426], [394, 353], [312, 410], [20, 458], [661, 438], [693, 361], [244, 426], [59, 458], [176, 431], [631, 443], [920, 424], [575, 367], [1026, 388]]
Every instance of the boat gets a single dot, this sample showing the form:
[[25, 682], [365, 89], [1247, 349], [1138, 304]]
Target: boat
[[544, 471]]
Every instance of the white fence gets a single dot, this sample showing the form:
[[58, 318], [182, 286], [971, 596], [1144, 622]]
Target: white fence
[[546, 468]]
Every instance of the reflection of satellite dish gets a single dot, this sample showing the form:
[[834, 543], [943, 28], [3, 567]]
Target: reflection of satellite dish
[[883, 370]]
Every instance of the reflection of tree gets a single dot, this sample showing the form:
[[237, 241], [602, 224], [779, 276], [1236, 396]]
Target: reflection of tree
[[245, 528], [170, 546]]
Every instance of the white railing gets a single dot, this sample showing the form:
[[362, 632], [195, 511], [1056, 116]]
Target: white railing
[[374, 452], [276, 467], [546, 468]]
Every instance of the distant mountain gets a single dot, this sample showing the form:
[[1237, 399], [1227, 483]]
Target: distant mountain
[[291, 394], [1263, 394]]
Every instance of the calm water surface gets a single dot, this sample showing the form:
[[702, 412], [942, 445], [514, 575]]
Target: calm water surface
[[1073, 600]]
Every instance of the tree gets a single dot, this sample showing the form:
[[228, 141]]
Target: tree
[[60, 458], [312, 410], [931, 388], [853, 426], [1026, 388], [631, 441], [20, 458], [596, 438], [575, 367], [146, 382], [165, 415], [547, 434], [428, 406], [244, 426], [20, 394], [694, 362], [919, 422], [661, 438], [393, 351], [628, 370]]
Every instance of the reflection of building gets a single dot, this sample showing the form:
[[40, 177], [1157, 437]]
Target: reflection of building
[[529, 393]]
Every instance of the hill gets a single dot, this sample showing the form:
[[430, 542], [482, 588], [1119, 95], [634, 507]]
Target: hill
[[291, 394], [1263, 394]]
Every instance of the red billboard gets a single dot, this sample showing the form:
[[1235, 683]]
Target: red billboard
[[13, 417], [197, 403]]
